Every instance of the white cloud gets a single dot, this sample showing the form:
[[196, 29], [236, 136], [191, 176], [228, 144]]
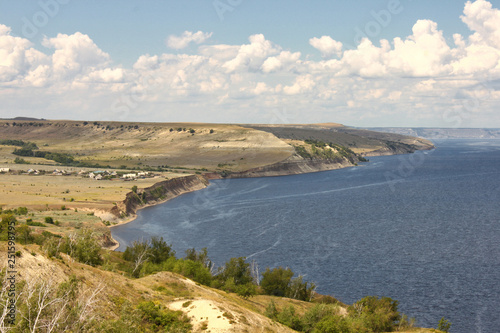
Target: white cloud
[[252, 56], [281, 61], [415, 78], [187, 37], [302, 84], [75, 54], [327, 46]]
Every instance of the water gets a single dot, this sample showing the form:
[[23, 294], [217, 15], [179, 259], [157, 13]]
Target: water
[[423, 229]]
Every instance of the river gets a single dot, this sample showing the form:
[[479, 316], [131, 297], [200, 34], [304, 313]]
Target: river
[[423, 229]]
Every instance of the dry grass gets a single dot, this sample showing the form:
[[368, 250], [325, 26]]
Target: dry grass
[[42, 191]]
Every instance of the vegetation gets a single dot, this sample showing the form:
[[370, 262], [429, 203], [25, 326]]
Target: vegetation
[[370, 314], [444, 325]]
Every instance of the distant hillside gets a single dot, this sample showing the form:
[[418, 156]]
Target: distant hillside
[[443, 133], [361, 141]]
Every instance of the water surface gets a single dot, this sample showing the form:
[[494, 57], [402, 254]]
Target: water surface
[[423, 229]]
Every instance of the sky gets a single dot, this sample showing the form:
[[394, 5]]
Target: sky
[[365, 63]]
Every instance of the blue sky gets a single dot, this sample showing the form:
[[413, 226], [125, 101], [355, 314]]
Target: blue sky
[[424, 63]]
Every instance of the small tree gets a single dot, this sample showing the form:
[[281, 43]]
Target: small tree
[[236, 269], [24, 234], [84, 247], [138, 254], [276, 282], [134, 188], [444, 325], [160, 251]]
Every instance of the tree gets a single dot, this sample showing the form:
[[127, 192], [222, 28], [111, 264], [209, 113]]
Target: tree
[[276, 282], [200, 256], [7, 220], [84, 247], [138, 253], [238, 270], [24, 234], [160, 251], [134, 188], [301, 290], [444, 325]]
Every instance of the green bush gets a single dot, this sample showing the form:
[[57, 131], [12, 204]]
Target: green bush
[[49, 220], [7, 220], [276, 282], [246, 290], [236, 269], [444, 325], [378, 314], [83, 247], [161, 318]]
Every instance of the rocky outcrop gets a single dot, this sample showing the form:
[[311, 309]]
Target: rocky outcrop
[[159, 192]]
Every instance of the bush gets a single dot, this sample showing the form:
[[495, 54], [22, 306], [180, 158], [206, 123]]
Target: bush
[[49, 220], [193, 270], [289, 318], [276, 282], [444, 325], [84, 247], [164, 319], [23, 233], [301, 290], [7, 220], [377, 314], [236, 269], [160, 251], [246, 290]]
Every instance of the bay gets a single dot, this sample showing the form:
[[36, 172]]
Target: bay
[[423, 229]]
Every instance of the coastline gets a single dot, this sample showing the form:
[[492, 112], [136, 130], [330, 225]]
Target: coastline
[[290, 166]]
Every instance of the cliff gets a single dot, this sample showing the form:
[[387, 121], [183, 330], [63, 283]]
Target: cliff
[[292, 166], [159, 192]]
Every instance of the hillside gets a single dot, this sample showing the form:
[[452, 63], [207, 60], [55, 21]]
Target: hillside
[[65, 295], [67, 180], [51, 163]]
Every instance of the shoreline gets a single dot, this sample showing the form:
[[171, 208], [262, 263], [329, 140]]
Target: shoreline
[[262, 173]]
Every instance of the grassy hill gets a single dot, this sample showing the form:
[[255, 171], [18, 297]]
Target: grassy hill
[[48, 182]]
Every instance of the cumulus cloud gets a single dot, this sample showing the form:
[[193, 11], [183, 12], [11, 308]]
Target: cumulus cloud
[[418, 77], [187, 37], [327, 46], [74, 54], [252, 56]]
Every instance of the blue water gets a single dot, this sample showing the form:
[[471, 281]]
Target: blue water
[[423, 229]]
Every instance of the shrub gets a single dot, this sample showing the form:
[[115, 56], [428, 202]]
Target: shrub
[[23, 233], [236, 269], [276, 282], [378, 314], [444, 325], [84, 247], [49, 220], [246, 290], [301, 290], [7, 220], [21, 211], [271, 311], [160, 251], [163, 318]]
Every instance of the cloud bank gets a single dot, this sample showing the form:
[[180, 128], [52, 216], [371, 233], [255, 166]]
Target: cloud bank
[[422, 79]]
